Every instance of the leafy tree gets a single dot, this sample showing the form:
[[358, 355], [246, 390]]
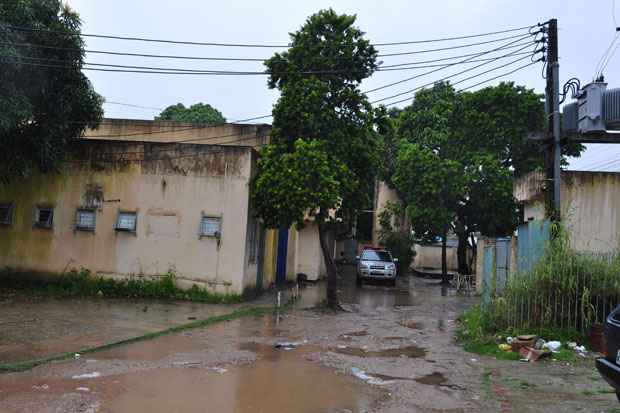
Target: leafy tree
[[396, 237], [42, 109], [323, 152], [197, 113]]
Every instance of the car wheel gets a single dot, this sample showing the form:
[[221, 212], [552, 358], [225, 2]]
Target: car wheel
[[618, 396]]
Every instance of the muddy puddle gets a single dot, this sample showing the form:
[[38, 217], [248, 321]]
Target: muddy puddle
[[154, 350], [279, 381], [408, 351]]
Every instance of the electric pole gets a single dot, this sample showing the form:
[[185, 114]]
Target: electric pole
[[554, 149]]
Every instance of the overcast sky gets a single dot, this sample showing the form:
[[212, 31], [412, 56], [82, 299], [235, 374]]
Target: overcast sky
[[586, 29]]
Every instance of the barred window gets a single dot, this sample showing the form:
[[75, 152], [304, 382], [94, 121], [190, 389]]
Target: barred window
[[44, 217], [6, 213], [210, 226], [126, 221], [85, 220]]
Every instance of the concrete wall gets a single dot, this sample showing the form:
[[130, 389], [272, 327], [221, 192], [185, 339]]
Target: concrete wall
[[591, 209], [170, 189], [169, 131], [383, 195], [428, 258]]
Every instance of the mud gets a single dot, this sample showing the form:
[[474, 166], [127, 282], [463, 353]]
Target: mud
[[409, 351], [361, 360]]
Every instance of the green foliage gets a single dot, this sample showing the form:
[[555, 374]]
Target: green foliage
[[562, 296], [290, 184], [565, 289], [326, 107], [324, 152], [197, 113], [397, 239], [477, 333], [84, 284], [42, 109]]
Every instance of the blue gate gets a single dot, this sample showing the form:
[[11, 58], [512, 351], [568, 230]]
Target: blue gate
[[533, 236], [495, 267]]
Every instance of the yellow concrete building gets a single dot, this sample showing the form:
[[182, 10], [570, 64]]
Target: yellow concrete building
[[142, 198]]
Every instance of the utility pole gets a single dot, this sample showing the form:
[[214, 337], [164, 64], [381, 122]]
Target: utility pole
[[552, 92]]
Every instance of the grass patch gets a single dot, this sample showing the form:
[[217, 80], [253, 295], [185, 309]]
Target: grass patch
[[29, 364], [84, 284], [476, 335]]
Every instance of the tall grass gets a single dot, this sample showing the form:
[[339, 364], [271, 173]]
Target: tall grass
[[566, 290]]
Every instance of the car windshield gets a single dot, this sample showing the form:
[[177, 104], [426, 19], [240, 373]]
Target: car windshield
[[370, 255]]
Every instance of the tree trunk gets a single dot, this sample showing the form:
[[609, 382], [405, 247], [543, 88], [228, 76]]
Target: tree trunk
[[444, 257], [461, 254], [330, 265]]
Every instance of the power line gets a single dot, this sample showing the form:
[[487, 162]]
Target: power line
[[453, 64], [495, 77], [464, 80], [440, 59], [448, 77], [132, 105], [246, 73], [252, 45], [181, 57]]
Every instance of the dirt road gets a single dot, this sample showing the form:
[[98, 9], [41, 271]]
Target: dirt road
[[392, 351]]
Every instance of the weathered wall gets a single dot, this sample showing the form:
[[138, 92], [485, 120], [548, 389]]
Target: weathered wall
[[383, 195], [170, 190], [428, 258], [591, 209], [169, 131]]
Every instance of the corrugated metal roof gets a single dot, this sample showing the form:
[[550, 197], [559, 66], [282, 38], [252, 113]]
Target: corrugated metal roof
[[598, 157]]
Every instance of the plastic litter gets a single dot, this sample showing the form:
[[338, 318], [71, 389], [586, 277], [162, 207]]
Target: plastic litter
[[82, 389], [289, 345], [92, 375], [509, 340], [554, 346], [218, 370], [77, 355], [361, 374], [571, 345], [505, 347]]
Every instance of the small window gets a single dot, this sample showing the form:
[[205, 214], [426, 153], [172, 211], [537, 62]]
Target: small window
[[126, 221], [210, 227], [6, 213], [85, 220], [44, 217]]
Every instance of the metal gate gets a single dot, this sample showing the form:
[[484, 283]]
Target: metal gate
[[496, 266], [533, 236]]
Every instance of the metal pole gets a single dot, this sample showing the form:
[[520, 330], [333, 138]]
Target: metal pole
[[553, 96]]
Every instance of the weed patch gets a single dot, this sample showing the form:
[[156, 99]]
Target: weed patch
[[84, 284]]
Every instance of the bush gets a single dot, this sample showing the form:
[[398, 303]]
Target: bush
[[565, 291], [395, 238]]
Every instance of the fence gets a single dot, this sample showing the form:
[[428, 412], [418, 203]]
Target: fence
[[565, 289]]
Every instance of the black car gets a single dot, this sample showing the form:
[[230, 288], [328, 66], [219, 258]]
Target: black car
[[609, 366]]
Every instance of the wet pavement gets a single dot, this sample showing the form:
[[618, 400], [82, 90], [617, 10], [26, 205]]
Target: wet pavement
[[392, 350]]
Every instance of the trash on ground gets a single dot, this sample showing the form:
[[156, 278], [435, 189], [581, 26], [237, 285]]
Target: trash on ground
[[539, 344], [77, 355], [85, 389], [41, 387], [289, 345], [531, 354], [554, 346], [571, 345], [523, 341], [341, 346], [505, 347], [361, 374], [92, 375], [218, 370]]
